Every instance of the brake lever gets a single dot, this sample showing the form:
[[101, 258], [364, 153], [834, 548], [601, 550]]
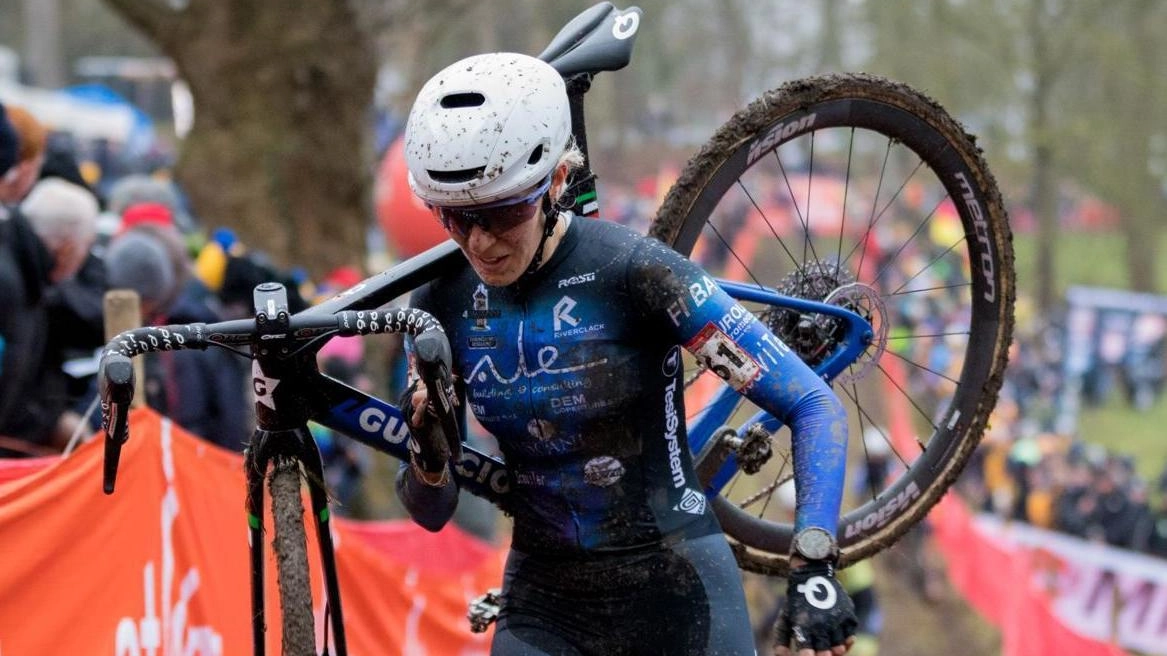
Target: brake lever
[[432, 352], [116, 387]]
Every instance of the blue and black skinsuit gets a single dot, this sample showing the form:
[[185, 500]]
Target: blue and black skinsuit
[[576, 370]]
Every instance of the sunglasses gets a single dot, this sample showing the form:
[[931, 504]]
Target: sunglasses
[[495, 218]]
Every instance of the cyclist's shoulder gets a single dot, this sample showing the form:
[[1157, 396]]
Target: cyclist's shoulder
[[443, 288]]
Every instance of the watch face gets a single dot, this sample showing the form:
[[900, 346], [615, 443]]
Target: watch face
[[814, 544]]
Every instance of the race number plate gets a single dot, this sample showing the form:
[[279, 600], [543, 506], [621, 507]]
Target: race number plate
[[724, 357]]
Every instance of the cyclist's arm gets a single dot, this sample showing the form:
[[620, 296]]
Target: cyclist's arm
[[716, 329], [430, 503]]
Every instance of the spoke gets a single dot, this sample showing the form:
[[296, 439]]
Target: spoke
[[809, 181], [804, 221], [891, 260], [930, 289], [927, 266], [966, 333], [854, 396], [769, 225], [922, 367], [872, 218], [729, 249], [925, 415], [863, 413], [846, 189], [891, 201]]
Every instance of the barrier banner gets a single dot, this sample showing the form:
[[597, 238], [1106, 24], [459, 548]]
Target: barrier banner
[[161, 566], [1052, 593]]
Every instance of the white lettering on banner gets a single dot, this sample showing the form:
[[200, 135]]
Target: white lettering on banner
[[1100, 591], [162, 629]]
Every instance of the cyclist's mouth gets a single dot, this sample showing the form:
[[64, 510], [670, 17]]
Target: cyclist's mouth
[[490, 263]]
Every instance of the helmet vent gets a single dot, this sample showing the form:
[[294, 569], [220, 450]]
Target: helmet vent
[[457, 100], [536, 155], [463, 175]]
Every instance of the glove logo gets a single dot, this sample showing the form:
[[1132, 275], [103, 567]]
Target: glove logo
[[818, 592]]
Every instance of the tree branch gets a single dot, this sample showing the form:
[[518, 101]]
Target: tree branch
[[155, 18]]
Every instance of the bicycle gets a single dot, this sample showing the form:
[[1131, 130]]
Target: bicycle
[[849, 312]]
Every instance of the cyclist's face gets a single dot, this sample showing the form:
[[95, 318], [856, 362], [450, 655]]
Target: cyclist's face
[[501, 251]]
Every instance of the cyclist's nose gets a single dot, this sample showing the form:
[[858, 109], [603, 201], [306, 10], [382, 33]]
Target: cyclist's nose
[[479, 239]]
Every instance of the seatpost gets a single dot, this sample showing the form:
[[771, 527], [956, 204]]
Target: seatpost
[[582, 185]]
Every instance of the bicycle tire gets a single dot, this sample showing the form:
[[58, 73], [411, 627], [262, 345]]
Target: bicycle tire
[[795, 118], [290, 544]]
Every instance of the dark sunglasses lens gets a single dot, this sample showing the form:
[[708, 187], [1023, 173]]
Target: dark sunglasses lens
[[495, 220]]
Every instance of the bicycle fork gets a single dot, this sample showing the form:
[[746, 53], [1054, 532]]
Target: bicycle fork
[[297, 444]]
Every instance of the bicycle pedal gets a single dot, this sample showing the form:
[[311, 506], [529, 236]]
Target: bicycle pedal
[[484, 610]]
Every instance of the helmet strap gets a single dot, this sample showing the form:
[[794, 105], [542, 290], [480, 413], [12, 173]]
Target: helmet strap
[[551, 219]]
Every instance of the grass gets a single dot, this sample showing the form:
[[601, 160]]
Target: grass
[[1122, 429], [1098, 259], [1091, 259]]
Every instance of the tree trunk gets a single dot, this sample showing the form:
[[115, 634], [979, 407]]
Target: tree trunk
[[1045, 193], [279, 149]]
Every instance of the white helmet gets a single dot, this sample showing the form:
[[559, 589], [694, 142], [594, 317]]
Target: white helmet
[[485, 129]]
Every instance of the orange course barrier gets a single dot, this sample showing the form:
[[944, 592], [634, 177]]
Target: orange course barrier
[[161, 566]]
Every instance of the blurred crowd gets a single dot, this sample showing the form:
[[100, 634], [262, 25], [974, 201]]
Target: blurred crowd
[[1028, 470], [65, 239]]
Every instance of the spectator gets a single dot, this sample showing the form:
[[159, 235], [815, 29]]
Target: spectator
[[64, 217], [9, 144], [33, 258], [136, 189], [204, 392], [20, 177]]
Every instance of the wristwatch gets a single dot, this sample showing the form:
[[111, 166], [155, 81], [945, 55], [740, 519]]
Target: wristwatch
[[815, 544]]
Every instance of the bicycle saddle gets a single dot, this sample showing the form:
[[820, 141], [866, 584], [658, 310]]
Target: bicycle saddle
[[599, 39]]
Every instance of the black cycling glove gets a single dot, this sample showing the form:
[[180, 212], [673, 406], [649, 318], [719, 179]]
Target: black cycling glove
[[819, 614], [428, 448]]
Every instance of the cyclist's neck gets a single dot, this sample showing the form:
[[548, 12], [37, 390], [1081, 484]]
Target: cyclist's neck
[[555, 238]]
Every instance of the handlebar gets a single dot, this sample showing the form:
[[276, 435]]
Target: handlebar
[[115, 372]]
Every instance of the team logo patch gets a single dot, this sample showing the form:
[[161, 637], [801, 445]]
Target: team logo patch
[[692, 502], [541, 429], [603, 471], [480, 312], [672, 362], [818, 592]]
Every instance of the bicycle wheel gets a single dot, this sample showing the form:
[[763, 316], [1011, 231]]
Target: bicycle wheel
[[862, 192], [290, 545]]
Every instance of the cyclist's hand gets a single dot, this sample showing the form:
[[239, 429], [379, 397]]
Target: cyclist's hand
[[819, 618], [428, 449]]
